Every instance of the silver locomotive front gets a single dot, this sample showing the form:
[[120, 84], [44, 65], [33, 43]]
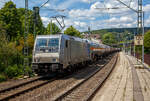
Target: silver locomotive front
[[46, 53]]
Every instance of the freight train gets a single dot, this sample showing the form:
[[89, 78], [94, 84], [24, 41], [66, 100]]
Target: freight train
[[63, 52]]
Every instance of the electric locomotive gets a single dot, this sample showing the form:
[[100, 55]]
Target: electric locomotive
[[58, 52]]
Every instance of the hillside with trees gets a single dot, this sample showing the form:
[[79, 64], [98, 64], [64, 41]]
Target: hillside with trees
[[118, 30], [120, 35]]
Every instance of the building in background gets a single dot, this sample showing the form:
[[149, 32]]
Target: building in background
[[94, 37]]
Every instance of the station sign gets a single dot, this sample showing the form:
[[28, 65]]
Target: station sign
[[138, 40]]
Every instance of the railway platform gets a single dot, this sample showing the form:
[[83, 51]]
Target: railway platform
[[127, 82]]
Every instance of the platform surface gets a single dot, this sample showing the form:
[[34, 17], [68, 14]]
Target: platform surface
[[121, 84]]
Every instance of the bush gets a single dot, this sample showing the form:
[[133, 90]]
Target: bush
[[29, 71], [13, 71], [2, 78], [2, 67]]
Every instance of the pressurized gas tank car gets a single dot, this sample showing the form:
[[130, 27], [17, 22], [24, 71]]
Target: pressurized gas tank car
[[58, 52]]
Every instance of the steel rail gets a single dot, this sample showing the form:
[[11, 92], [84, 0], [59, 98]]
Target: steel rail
[[20, 91], [19, 85], [84, 81], [100, 84]]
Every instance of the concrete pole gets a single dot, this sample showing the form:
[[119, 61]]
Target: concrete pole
[[34, 29], [26, 62], [134, 46], [51, 27], [130, 45], [143, 40]]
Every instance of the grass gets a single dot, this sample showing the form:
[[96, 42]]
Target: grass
[[2, 78]]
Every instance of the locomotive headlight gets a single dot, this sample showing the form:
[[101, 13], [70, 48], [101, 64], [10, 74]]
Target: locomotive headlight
[[55, 60]]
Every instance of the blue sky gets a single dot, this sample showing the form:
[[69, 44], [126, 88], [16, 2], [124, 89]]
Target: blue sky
[[82, 13]]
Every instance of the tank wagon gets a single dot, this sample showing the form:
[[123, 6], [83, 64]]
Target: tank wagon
[[61, 52]]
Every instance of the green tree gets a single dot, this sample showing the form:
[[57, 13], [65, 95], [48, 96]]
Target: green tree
[[7, 51], [9, 15], [9, 56], [109, 39], [52, 28], [40, 29], [72, 31], [2, 28], [3, 43], [147, 42]]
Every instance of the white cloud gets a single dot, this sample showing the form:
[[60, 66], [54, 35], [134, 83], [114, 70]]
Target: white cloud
[[113, 20], [47, 5], [117, 18], [146, 8], [81, 18], [45, 20], [126, 19], [89, 1], [96, 18], [97, 5], [147, 22], [89, 14]]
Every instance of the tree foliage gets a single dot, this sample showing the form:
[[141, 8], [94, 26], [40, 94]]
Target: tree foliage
[[39, 25], [52, 28], [72, 31], [109, 39], [14, 21], [30, 42], [9, 16], [147, 42], [12, 25], [8, 52]]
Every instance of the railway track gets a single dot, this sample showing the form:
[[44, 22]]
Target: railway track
[[11, 92], [85, 90], [52, 88]]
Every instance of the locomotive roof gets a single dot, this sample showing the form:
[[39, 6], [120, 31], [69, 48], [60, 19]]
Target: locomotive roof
[[60, 35], [73, 38], [48, 36]]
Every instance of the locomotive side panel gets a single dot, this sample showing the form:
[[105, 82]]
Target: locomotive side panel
[[75, 51]]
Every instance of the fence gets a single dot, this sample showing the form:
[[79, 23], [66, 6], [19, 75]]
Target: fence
[[146, 57]]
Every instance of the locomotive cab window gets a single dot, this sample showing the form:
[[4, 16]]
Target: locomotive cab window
[[47, 45], [53, 44]]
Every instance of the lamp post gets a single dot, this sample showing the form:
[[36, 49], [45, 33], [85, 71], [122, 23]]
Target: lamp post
[[129, 42]]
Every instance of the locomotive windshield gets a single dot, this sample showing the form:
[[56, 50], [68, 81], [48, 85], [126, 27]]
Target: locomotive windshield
[[47, 45]]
